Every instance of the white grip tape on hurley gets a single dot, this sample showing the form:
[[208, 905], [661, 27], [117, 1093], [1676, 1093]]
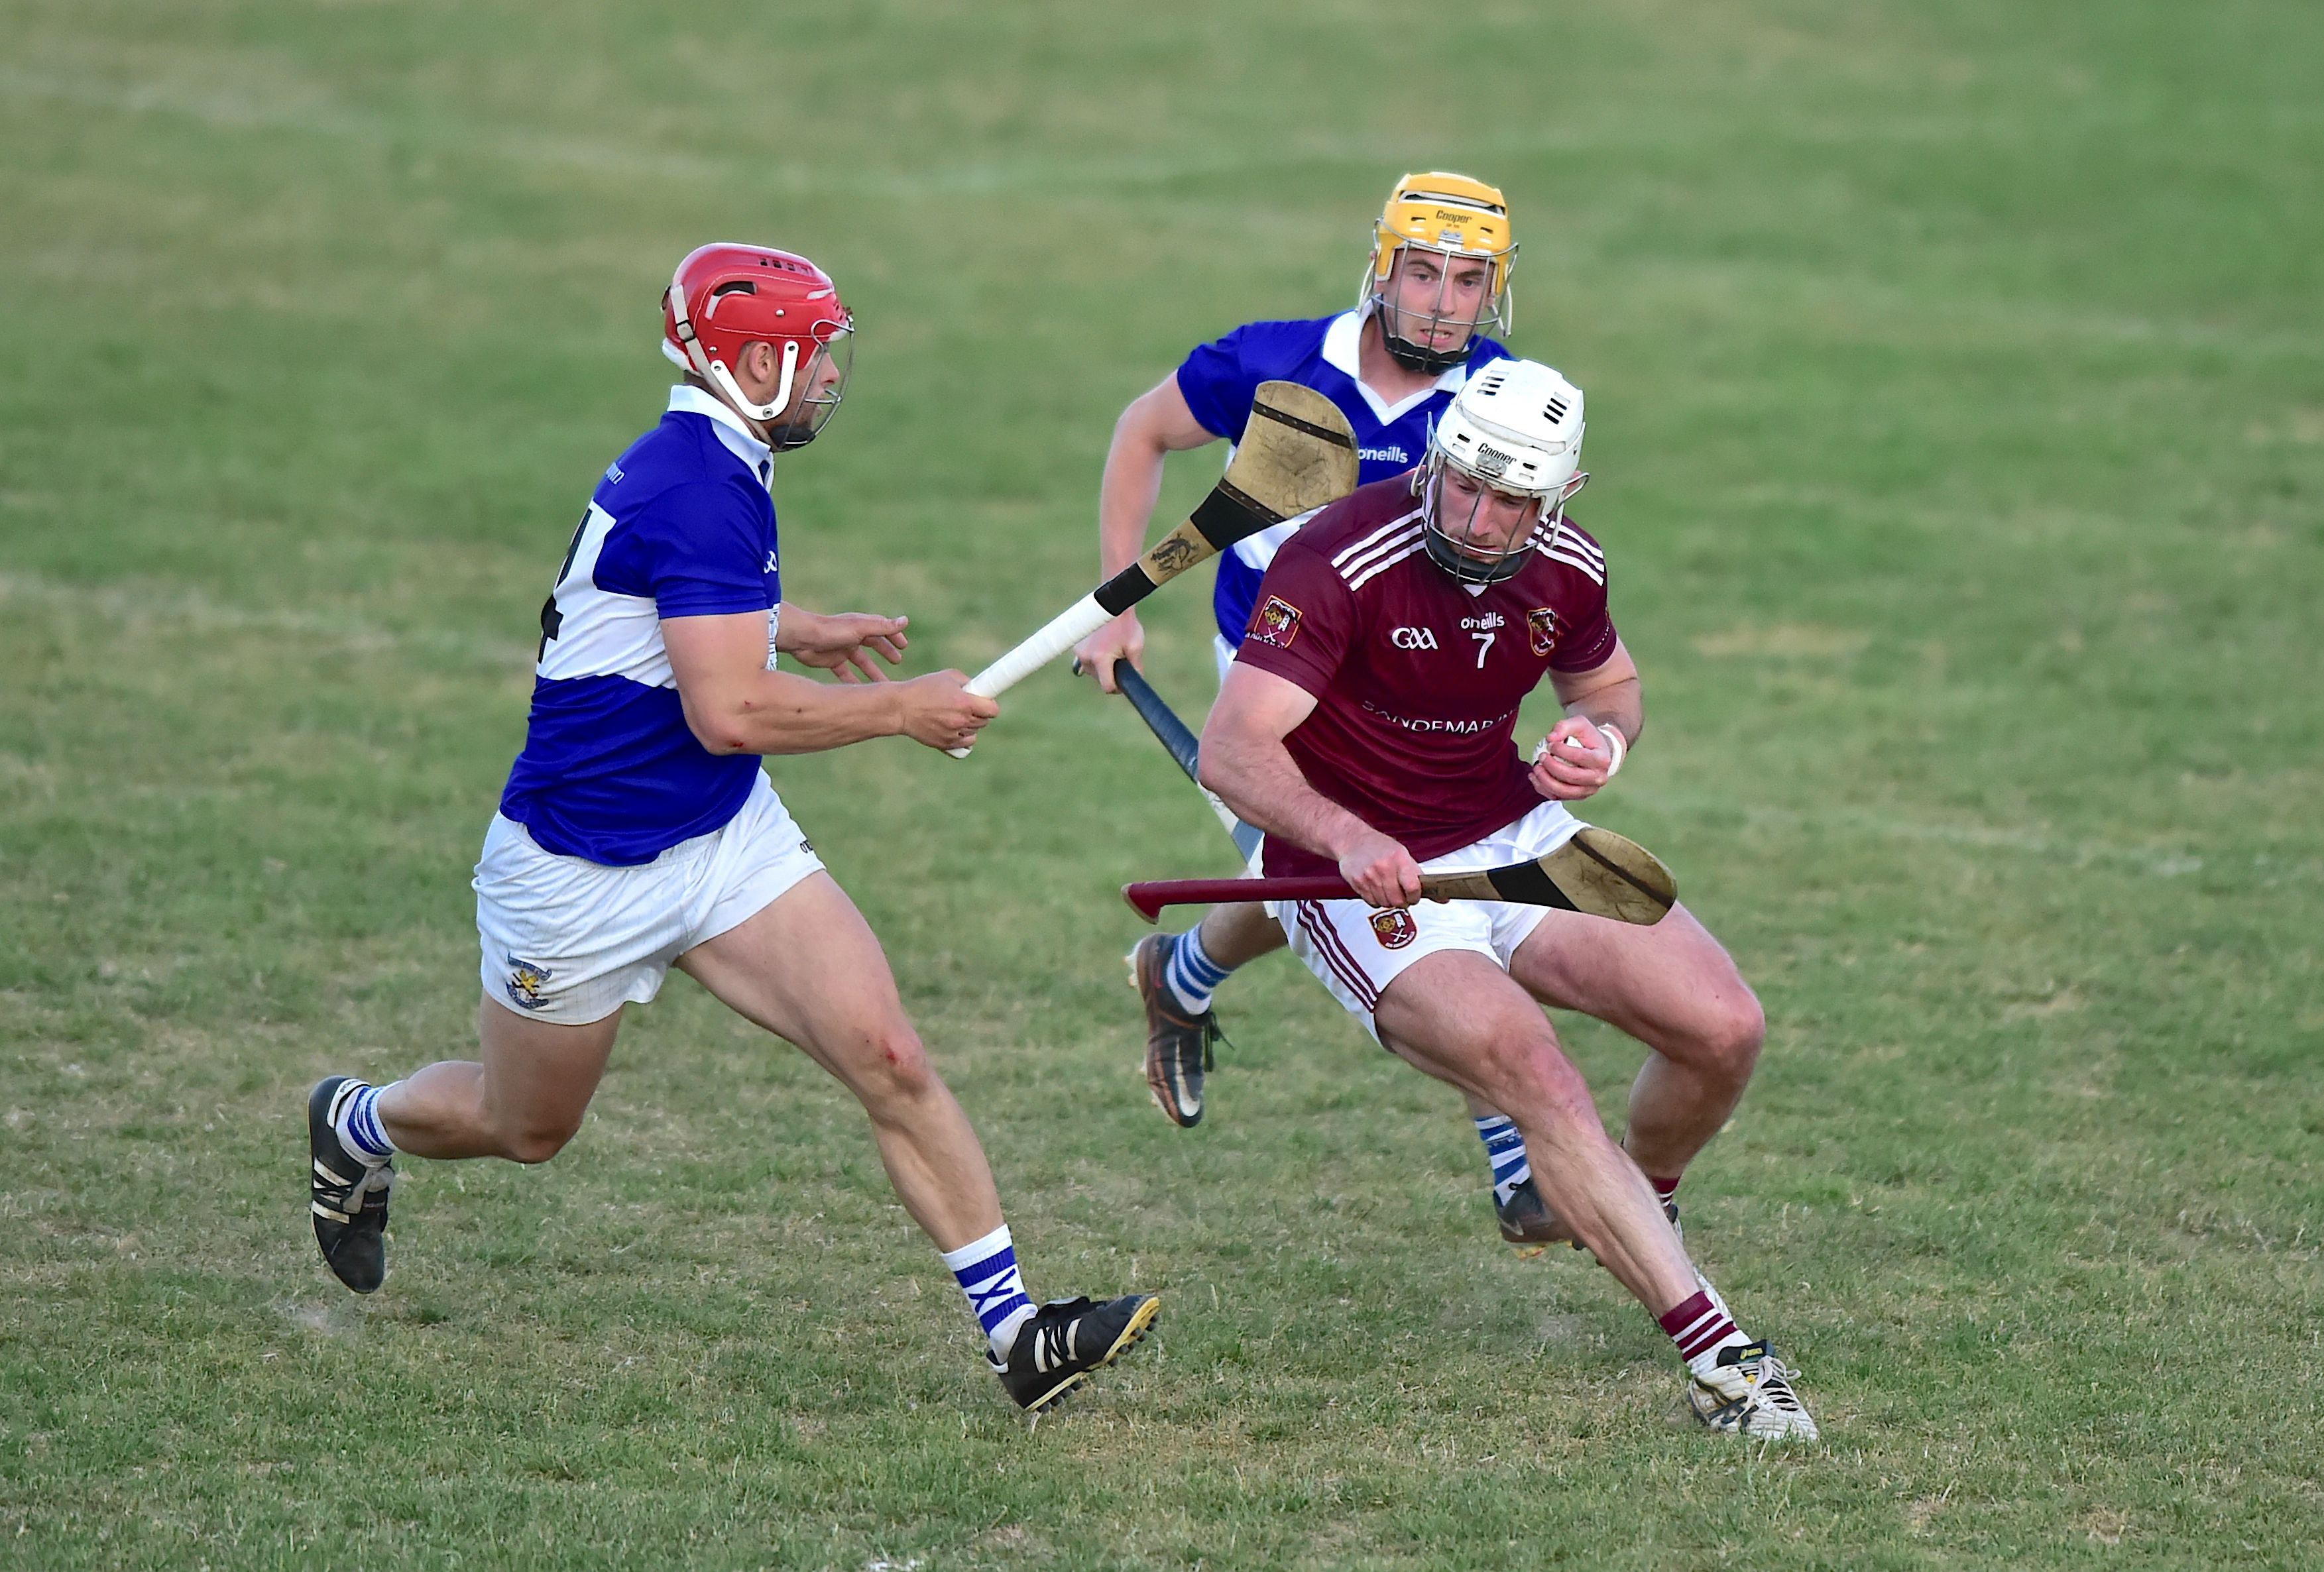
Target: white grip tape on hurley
[[1063, 632]]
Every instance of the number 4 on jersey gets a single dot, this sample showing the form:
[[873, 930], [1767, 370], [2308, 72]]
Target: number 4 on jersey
[[551, 619]]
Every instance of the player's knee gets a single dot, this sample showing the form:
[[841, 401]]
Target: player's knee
[[898, 1069], [1732, 1035], [538, 1140], [1540, 1083]]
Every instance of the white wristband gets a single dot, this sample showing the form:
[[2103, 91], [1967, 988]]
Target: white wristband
[[1615, 745]]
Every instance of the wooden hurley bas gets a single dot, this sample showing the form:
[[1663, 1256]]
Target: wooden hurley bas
[[1297, 453], [1597, 873]]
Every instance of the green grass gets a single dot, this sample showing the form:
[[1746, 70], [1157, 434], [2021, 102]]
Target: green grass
[[1958, 398]]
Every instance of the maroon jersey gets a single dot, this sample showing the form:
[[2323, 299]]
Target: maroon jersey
[[1417, 677]]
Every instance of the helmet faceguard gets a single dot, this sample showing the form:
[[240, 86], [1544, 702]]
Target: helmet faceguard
[[1510, 442], [809, 405], [723, 297], [1451, 532], [1432, 224]]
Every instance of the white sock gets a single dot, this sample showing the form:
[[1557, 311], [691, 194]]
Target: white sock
[[355, 1116], [1190, 973], [986, 1270], [1505, 1150]]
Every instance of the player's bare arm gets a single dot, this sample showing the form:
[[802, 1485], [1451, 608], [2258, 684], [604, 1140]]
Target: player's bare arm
[[1577, 758], [1243, 759], [734, 705], [843, 642], [1156, 424]]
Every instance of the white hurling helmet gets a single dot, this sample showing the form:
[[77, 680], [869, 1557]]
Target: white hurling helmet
[[1516, 426]]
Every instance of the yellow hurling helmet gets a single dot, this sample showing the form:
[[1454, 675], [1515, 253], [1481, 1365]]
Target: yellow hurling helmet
[[1454, 217]]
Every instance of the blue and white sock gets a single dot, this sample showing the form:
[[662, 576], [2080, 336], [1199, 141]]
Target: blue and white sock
[[987, 1271], [1505, 1149], [356, 1120], [1190, 973]]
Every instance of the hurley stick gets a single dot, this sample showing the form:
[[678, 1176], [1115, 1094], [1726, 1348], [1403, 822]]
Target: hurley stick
[[1173, 735], [1297, 453], [1597, 873]]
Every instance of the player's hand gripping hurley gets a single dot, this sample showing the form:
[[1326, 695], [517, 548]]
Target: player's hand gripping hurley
[[1597, 873], [1297, 453]]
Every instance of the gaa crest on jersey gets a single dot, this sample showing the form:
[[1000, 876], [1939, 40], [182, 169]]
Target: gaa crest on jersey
[[1541, 629], [525, 980], [1275, 623], [1393, 928]]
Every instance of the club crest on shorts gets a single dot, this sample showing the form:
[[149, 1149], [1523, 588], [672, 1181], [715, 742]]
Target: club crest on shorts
[[1541, 627], [1393, 928], [525, 978], [1277, 622]]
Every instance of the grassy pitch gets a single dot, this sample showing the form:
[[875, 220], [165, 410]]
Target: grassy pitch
[[1958, 406]]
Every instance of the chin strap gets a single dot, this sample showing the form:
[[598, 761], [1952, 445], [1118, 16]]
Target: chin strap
[[1444, 554], [1411, 356]]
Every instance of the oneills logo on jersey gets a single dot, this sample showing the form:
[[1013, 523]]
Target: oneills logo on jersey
[[1541, 625], [525, 978], [1277, 622], [1393, 928]]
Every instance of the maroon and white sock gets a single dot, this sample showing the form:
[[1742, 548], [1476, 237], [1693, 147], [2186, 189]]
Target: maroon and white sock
[[1665, 1189], [1701, 1326]]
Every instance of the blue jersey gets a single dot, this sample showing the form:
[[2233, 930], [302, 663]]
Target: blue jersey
[[1219, 379], [680, 526]]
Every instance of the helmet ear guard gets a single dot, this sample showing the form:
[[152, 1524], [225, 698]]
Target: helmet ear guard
[[698, 361]]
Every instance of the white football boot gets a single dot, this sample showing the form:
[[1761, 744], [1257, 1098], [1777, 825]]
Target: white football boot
[[1749, 1394]]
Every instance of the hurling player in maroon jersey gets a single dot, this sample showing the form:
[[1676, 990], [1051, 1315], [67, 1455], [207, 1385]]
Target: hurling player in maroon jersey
[[1369, 726]]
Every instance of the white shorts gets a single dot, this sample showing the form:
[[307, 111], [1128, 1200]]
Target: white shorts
[[1357, 950], [571, 940]]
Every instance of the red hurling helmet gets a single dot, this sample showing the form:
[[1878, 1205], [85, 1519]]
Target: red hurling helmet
[[724, 296]]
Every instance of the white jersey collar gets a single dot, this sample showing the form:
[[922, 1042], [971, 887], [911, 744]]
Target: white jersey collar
[[1342, 342], [688, 399]]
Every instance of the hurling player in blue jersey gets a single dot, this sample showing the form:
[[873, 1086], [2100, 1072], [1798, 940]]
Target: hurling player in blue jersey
[[1439, 277], [638, 831]]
